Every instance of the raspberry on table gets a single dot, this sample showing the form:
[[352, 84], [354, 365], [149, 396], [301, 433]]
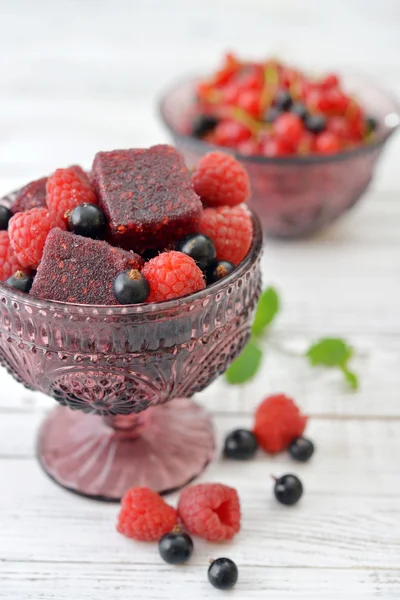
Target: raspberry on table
[[145, 516], [231, 230], [32, 195], [28, 232], [9, 263], [147, 196], [278, 421], [79, 269], [211, 511], [172, 275], [220, 180], [66, 189]]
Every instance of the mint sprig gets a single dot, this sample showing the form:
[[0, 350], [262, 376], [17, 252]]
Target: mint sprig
[[267, 309], [333, 352]]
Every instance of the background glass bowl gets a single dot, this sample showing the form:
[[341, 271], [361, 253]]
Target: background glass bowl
[[132, 369], [295, 196]]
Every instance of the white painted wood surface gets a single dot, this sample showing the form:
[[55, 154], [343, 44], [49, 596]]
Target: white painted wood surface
[[80, 76]]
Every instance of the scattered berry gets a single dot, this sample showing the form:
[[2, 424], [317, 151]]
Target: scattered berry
[[203, 124], [217, 270], [277, 422], [131, 287], [283, 100], [28, 232], [301, 449], [20, 281], [172, 275], [87, 220], [210, 510], [175, 547], [240, 444], [223, 573], [145, 516], [315, 123], [66, 189], [219, 179], [5, 216], [231, 230], [288, 489], [200, 247], [32, 195], [9, 262]]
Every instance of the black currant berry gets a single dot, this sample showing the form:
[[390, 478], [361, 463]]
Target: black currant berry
[[299, 109], [203, 124], [175, 547], [283, 100], [131, 287], [271, 114], [5, 216], [371, 124], [218, 270], [20, 282], [240, 444], [87, 220], [288, 489], [315, 123], [223, 573], [301, 449], [200, 247]]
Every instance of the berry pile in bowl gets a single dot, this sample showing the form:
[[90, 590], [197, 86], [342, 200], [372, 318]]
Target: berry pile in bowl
[[309, 144], [124, 291]]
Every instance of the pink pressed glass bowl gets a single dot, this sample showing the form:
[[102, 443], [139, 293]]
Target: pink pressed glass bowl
[[121, 365], [296, 196]]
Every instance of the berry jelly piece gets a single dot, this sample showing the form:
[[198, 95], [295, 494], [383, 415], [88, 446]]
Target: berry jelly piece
[[147, 196], [81, 270]]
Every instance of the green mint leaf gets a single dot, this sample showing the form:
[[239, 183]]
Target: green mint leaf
[[246, 365], [351, 378], [331, 352], [267, 308]]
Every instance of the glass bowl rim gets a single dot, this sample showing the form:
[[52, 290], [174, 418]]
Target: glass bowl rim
[[305, 160], [155, 308]]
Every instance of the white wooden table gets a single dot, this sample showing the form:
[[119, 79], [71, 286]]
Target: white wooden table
[[81, 76]]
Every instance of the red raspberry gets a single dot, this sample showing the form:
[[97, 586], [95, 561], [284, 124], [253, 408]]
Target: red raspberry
[[231, 230], [210, 510], [66, 189], [278, 421], [32, 195], [172, 275], [220, 180], [28, 232], [145, 516], [9, 263]]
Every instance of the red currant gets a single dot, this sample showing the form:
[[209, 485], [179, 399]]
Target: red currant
[[249, 100], [326, 143], [248, 148], [330, 81], [230, 133], [275, 147], [289, 128]]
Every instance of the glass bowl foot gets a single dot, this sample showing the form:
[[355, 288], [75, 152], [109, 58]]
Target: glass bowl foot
[[163, 448]]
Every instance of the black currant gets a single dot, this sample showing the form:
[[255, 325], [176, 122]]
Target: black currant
[[315, 123], [5, 216], [175, 547], [200, 247], [20, 281], [283, 100], [218, 269], [371, 124], [131, 287], [288, 489], [203, 124], [301, 449], [240, 444], [87, 220], [299, 109], [223, 573], [271, 114]]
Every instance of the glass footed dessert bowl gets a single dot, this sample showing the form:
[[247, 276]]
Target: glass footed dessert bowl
[[124, 377]]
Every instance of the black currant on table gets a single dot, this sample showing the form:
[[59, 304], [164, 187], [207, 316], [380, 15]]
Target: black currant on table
[[240, 444], [288, 489], [87, 220], [131, 287], [301, 449], [223, 573], [20, 281], [200, 247], [175, 547]]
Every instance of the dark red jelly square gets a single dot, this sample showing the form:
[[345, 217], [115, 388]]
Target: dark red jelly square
[[79, 269], [147, 196]]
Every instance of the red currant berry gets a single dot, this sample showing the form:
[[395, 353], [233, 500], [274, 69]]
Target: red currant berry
[[230, 133], [339, 126], [326, 143], [275, 147], [248, 148], [288, 127], [330, 81], [249, 100]]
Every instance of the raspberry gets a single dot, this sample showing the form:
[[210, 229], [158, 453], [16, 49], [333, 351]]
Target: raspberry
[[278, 421], [230, 229], [210, 510], [9, 263], [145, 516], [66, 189], [32, 195], [172, 275], [220, 180], [28, 232]]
